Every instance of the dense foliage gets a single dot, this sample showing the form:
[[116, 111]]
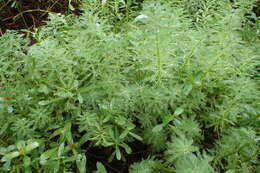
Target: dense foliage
[[178, 77]]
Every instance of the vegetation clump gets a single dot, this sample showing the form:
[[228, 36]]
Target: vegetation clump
[[127, 87]]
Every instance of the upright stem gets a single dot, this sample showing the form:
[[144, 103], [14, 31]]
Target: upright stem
[[158, 58], [127, 8]]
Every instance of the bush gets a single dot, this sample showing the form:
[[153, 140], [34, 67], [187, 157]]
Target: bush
[[164, 81]]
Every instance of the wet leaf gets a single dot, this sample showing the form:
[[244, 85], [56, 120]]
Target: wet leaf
[[10, 156]]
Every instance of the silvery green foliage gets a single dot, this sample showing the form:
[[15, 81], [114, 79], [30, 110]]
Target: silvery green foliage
[[179, 148], [164, 80], [147, 166], [193, 163], [238, 147]]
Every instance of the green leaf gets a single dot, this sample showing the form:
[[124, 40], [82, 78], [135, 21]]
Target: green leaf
[[124, 134], [44, 102], [178, 111], [55, 165], [31, 146], [187, 89], [120, 121], [27, 170], [168, 118], [158, 128], [69, 137], [70, 6], [81, 163], [107, 118], [61, 149], [108, 144], [64, 94], [7, 166], [100, 168], [80, 99], [56, 133], [110, 159], [136, 136], [4, 150], [46, 155], [21, 145], [118, 153], [130, 126], [127, 148], [10, 156], [26, 161], [4, 127], [84, 139], [197, 80], [44, 89], [70, 159]]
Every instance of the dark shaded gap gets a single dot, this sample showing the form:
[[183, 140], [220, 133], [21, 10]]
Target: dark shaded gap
[[30, 14], [101, 154]]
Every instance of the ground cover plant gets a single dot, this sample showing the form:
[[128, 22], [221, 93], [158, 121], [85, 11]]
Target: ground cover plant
[[139, 87]]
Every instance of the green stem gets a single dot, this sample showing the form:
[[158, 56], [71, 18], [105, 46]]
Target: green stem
[[29, 11], [158, 58], [190, 54], [3, 6]]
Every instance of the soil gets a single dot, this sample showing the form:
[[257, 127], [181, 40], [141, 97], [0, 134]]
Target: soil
[[256, 9], [29, 14], [101, 154]]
